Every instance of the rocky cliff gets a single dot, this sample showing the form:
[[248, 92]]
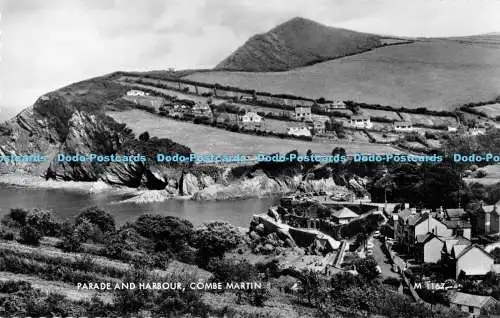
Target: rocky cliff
[[72, 121]]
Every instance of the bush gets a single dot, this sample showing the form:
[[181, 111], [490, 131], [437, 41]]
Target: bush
[[44, 222], [16, 218], [103, 220], [214, 239], [30, 235], [481, 174]]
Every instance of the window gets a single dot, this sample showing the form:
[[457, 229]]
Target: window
[[471, 309]]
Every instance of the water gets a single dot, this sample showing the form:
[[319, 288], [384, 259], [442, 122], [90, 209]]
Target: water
[[67, 204]]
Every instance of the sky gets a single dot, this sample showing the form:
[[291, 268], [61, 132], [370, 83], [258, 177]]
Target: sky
[[47, 44]]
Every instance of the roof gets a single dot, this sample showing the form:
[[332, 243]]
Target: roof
[[302, 106], [490, 208], [455, 213], [360, 117], [453, 224], [402, 123], [425, 238], [252, 114], [404, 214], [458, 240], [470, 247], [344, 213], [470, 300]]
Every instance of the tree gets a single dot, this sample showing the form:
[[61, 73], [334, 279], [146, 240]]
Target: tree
[[214, 239], [30, 235], [144, 136], [103, 220], [43, 221], [169, 233], [367, 268]]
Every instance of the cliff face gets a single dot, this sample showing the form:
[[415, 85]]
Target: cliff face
[[71, 121]]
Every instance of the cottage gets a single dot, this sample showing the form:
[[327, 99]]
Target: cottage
[[136, 92], [344, 215], [319, 127], [452, 128], [429, 247], [299, 131], [201, 109], [250, 117], [477, 131], [360, 122], [333, 106], [475, 305], [403, 126], [472, 260], [303, 112], [487, 219]]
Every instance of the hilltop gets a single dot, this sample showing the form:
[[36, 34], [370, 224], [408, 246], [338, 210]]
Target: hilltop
[[294, 43]]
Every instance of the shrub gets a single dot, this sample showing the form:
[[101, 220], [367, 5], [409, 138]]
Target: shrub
[[43, 221], [481, 174], [30, 235], [214, 239], [103, 220], [16, 218]]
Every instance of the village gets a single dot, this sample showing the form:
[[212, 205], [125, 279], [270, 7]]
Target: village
[[294, 117], [429, 251]]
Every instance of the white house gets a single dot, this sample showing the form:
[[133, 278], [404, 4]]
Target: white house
[[303, 112], [475, 305], [299, 131], [403, 126], [477, 131], [335, 105], [136, 92], [201, 109], [250, 117], [429, 247], [452, 128], [319, 127], [344, 215], [360, 122], [473, 261]]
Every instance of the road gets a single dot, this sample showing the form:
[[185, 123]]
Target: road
[[383, 260]]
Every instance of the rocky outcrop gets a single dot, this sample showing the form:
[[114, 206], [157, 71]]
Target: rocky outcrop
[[189, 184]]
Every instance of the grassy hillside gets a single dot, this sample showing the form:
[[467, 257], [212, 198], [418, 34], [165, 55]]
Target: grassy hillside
[[295, 43], [205, 139], [434, 73]]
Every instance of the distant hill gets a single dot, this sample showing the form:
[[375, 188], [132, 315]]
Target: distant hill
[[439, 74], [297, 42]]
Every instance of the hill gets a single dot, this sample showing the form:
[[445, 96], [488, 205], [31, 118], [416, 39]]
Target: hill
[[438, 74], [297, 42]]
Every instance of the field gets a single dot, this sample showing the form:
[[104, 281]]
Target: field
[[205, 139], [492, 110], [437, 74]]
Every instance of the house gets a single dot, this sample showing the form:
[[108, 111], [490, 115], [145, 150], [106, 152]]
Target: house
[[360, 122], [303, 112], [299, 131], [487, 220], [318, 127], [403, 126], [344, 215], [428, 248], [452, 128], [473, 260], [475, 305], [250, 117], [136, 92], [477, 131], [201, 109], [411, 227], [335, 105]]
